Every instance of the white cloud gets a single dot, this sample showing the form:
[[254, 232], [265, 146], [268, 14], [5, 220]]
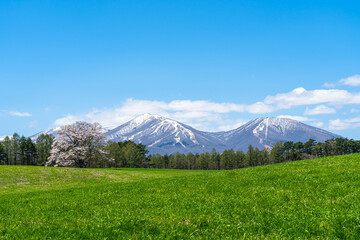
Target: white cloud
[[231, 124], [204, 115], [317, 124], [343, 124], [297, 118], [353, 110], [321, 109], [259, 107], [69, 119], [20, 114], [200, 106], [300, 97], [351, 81]]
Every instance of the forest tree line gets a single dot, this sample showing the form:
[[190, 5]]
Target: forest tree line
[[280, 152], [18, 150]]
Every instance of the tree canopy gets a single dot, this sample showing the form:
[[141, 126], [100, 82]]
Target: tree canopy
[[78, 144]]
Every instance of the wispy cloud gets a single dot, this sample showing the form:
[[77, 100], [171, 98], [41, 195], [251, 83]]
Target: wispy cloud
[[20, 114], [343, 124], [349, 81], [330, 85], [231, 124], [321, 109]]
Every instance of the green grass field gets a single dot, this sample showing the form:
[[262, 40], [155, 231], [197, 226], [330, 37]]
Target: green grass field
[[317, 198]]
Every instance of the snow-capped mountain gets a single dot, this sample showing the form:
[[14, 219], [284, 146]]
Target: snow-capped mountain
[[264, 132], [166, 136]]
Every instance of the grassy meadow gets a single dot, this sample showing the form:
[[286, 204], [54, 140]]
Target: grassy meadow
[[318, 198]]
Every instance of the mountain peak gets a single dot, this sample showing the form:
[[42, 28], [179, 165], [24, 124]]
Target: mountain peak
[[145, 118], [147, 115]]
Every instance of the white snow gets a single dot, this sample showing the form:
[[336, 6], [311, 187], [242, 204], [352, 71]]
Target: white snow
[[267, 127], [157, 141], [178, 140]]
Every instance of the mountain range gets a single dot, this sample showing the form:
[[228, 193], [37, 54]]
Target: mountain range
[[165, 136]]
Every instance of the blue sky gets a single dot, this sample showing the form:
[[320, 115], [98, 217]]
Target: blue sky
[[210, 64]]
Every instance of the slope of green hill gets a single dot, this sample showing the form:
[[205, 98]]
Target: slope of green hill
[[317, 198]]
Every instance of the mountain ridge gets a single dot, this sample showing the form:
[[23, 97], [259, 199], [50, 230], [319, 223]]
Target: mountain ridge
[[165, 136]]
